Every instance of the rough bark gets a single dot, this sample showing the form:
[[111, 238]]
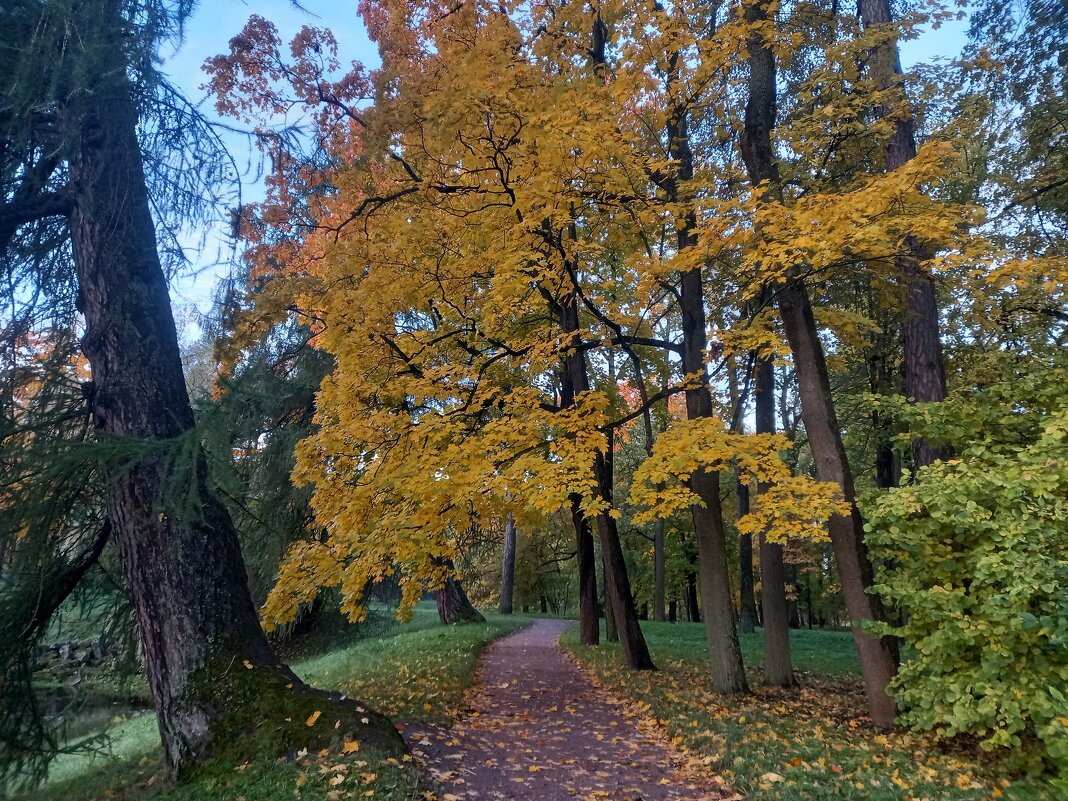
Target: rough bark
[[508, 566], [925, 378], [454, 605], [181, 562]]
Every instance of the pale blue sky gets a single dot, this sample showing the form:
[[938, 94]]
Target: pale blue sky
[[214, 23]]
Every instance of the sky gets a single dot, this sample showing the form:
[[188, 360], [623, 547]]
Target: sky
[[214, 23], [207, 34]]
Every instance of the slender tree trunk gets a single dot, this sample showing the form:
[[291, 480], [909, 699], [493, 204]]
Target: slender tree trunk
[[693, 610], [659, 571], [728, 673], [925, 378], [181, 562], [877, 655], [778, 666], [792, 607], [747, 616], [617, 582], [508, 565], [589, 619], [673, 610], [611, 632]]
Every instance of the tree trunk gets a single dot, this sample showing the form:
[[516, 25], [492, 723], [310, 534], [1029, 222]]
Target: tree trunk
[[508, 566], [659, 571], [877, 655], [817, 410], [673, 610], [453, 604], [793, 610], [925, 377], [589, 617], [747, 594], [778, 666], [693, 609], [611, 632], [728, 673], [181, 562], [617, 582]]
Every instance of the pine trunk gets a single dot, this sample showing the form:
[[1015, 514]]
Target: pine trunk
[[181, 562]]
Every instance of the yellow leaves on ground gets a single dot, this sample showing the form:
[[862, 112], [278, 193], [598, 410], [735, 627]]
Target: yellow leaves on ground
[[313, 717]]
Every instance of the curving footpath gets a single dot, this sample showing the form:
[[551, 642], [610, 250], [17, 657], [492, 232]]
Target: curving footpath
[[538, 729]]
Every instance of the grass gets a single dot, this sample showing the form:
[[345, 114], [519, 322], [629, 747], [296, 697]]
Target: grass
[[415, 672], [810, 744]]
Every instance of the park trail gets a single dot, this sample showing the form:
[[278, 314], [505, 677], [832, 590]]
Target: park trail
[[538, 728]]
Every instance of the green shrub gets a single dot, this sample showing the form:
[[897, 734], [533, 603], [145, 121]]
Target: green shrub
[[975, 554]]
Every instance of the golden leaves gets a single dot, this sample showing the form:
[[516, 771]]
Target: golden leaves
[[788, 505]]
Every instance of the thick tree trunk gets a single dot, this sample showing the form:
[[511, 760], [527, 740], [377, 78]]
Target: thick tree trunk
[[508, 566], [454, 605], [728, 673], [181, 562], [925, 378], [589, 618], [778, 666]]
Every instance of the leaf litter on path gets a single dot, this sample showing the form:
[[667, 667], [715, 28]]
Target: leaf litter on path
[[540, 728]]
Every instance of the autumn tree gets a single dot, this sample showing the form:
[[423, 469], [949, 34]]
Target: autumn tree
[[73, 108]]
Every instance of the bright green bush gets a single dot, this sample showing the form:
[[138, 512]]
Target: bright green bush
[[975, 554]]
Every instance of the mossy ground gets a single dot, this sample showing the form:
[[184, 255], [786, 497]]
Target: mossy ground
[[810, 744], [415, 672]]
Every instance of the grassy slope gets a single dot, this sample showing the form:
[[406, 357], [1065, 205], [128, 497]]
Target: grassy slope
[[416, 672], [808, 745]]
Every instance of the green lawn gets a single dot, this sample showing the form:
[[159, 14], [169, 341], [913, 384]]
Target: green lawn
[[812, 744], [417, 671]]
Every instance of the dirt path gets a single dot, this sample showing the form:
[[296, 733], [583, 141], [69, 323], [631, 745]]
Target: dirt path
[[538, 729]]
